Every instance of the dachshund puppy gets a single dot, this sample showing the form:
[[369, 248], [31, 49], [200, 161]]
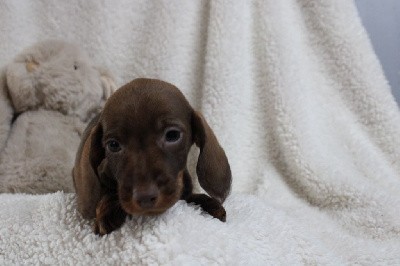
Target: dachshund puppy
[[132, 157]]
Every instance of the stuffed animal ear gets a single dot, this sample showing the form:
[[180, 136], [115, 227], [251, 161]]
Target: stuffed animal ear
[[6, 111], [212, 169], [107, 82], [21, 85]]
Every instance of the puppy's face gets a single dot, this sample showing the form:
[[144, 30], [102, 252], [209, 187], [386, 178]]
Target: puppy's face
[[145, 135]]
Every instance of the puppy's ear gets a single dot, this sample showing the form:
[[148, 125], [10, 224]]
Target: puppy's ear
[[212, 169], [97, 152]]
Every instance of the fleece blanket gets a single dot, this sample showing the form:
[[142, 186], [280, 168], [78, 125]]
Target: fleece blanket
[[297, 99]]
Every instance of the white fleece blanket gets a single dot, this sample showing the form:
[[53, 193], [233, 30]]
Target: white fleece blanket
[[297, 99]]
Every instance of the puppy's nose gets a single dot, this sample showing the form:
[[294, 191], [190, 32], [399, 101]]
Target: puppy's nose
[[146, 199]]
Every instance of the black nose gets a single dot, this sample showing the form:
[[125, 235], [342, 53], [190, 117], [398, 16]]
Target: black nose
[[146, 199]]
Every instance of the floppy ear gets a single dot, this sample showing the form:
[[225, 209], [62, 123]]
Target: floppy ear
[[97, 153], [89, 157], [212, 169]]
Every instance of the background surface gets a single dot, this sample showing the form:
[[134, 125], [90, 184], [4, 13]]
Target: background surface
[[381, 20]]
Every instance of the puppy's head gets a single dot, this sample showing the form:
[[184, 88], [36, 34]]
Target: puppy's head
[[141, 143]]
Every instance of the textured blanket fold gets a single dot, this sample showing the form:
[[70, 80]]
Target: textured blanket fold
[[297, 99]]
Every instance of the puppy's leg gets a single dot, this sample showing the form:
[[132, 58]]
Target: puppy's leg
[[208, 204], [109, 215]]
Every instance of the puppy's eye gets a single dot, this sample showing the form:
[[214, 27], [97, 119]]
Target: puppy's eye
[[113, 146], [75, 67], [172, 135]]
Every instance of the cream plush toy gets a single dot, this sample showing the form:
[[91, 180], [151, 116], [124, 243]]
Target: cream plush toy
[[47, 94]]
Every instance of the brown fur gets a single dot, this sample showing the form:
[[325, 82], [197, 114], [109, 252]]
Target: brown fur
[[132, 158]]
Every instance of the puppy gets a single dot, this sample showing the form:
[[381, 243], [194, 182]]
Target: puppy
[[132, 157]]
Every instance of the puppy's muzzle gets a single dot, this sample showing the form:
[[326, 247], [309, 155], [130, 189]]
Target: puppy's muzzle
[[146, 198]]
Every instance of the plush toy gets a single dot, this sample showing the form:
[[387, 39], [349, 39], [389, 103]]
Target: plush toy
[[47, 94]]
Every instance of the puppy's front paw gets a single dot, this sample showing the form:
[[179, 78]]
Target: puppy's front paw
[[218, 213], [100, 228], [109, 216], [209, 205]]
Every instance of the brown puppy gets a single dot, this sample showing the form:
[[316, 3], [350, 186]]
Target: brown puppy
[[132, 158]]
